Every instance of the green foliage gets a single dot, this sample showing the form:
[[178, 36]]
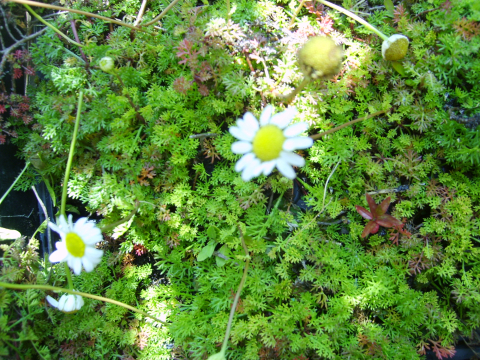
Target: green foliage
[[154, 136]]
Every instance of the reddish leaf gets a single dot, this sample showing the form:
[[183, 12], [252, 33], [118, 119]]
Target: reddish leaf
[[371, 203], [378, 217], [371, 228], [387, 221], [383, 207], [364, 212]]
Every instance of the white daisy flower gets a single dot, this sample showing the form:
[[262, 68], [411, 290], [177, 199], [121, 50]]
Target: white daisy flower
[[68, 303], [77, 247], [269, 144]]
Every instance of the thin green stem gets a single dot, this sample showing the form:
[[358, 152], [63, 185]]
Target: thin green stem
[[70, 154], [69, 276], [318, 136], [87, 295], [296, 13], [120, 222], [326, 184], [163, 13], [51, 26], [16, 180], [354, 17], [237, 295], [289, 97], [80, 12], [228, 10]]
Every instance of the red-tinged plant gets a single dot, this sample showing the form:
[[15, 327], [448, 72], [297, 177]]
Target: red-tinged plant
[[377, 216], [440, 351]]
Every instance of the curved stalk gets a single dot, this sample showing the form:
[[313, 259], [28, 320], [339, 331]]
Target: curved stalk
[[87, 295], [70, 154], [354, 17], [163, 13], [237, 296], [51, 26], [80, 12], [289, 97], [16, 180], [318, 136]]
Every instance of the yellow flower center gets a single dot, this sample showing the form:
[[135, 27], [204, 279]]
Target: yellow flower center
[[268, 142], [75, 245]]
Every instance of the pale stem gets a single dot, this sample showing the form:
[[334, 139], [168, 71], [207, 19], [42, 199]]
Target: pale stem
[[87, 295], [140, 13], [237, 295], [16, 180], [288, 98], [67, 175], [354, 17], [80, 12], [70, 154], [69, 276], [51, 26], [296, 13], [228, 10], [318, 136], [164, 12]]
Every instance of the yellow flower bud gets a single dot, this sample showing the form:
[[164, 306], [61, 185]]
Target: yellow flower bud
[[395, 47], [320, 57], [107, 64]]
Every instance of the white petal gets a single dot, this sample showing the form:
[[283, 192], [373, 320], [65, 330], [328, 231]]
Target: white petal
[[239, 134], [285, 169], [54, 227], [69, 304], [76, 265], [244, 161], [292, 158], [91, 236], [79, 302], [250, 171], [61, 302], [284, 118], [70, 222], [62, 222], [250, 122], [79, 225], [268, 167], [52, 301], [295, 129], [241, 147], [87, 264], [93, 254], [266, 115], [60, 254], [301, 142]]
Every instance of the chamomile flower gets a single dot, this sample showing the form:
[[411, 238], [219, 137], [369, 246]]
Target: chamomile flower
[[269, 144], [68, 303], [77, 247]]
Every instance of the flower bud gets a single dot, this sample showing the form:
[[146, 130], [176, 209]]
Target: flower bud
[[395, 47], [320, 57], [68, 303], [107, 64]]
